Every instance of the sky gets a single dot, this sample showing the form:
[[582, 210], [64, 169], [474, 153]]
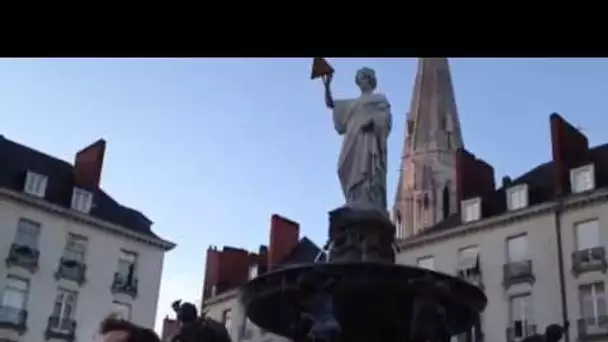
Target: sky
[[209, 149]]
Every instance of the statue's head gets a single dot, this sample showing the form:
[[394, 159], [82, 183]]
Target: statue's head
[[366, 79]]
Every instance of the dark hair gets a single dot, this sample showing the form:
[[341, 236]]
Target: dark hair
[[136, 333]]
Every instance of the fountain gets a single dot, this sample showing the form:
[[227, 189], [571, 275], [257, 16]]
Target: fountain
[[356, 292]]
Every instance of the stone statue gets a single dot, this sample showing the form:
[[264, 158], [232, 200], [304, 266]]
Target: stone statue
[[197, 329], [365, 123]]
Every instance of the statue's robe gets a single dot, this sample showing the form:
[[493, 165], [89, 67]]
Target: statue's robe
[[362, 163]]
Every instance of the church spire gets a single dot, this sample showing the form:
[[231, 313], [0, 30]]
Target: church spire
[[426, 192]]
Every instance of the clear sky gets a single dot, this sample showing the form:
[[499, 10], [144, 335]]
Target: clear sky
[[210, 148]]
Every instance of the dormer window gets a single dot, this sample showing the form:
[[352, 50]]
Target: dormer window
[[471, 209], [582, 178], [82, 200], [253, 271], [35, 184], [517, 197]]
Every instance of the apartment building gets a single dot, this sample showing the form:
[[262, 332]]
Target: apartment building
[[229, 268], [72, 253]]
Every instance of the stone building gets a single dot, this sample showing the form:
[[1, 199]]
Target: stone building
[[535, 244], [229, 268], [72, 254]]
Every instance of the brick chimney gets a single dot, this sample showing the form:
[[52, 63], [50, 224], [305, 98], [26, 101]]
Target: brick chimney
[[88, 164], [225, 270], [474, 177], [570, 149], [170, 329], [284, 236]]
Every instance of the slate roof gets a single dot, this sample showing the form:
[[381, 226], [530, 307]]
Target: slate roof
[[17, 159], [305, 252], [541, 188]]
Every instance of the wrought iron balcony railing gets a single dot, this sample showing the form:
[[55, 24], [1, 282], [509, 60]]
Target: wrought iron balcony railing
[[518, 272], [590, 259], [23, 256]]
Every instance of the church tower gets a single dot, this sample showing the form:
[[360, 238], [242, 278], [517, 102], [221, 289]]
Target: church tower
[[426, 190]]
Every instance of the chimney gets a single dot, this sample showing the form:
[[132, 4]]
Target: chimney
[[284, 236], [211, 272], [474, 177], [506, 181], [225, 270], [170, 329], [570, 149], [88, 164]]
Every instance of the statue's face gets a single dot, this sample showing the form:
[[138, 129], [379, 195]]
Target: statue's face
[[366, 82]]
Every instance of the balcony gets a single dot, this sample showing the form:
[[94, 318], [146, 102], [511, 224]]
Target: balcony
[[13, 318], [71, 270], [61, 329], [518, 331], [592, 328], [588, 260], [124, 285], [23, 256], [518, 272]]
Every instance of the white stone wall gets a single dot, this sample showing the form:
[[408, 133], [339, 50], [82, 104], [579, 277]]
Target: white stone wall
[[94, 297], [215, 309], [490, 236]]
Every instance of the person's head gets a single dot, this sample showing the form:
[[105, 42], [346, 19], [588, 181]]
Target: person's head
[[366, 80], [553, 333], [114, 329]]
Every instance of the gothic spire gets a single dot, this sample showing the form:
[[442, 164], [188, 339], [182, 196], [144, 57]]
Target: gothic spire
[[426, 191]]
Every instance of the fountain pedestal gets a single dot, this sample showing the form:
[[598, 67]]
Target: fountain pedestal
[[359, 294]]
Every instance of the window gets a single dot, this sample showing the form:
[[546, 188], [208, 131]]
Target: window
[[468, 256], [127, 262], [75, 248], [64, 310], [471, 209], [593, 303], [426, 262], [582, 178], [517, 248], [15, 293], [27, 233], [227, 319], [517, 197], [82, 200], [446, 201], [253, 271], [587, 234], [520, 312], [35, 184], [122, 310]]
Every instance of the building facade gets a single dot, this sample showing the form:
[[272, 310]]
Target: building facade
[[535, 244], [72, 254], [229, 268]]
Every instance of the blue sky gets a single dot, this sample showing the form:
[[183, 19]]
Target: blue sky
[[210, 148]]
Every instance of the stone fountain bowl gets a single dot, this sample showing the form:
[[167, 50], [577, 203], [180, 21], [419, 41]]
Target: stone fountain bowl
[[371, 301]]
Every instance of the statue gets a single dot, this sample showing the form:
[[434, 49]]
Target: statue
[[193, 328], [365, 123]]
